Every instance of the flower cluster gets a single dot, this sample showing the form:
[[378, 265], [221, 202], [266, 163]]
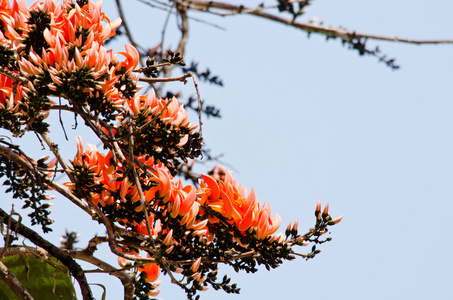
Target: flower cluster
[[57, 50], [163, 130], [52, 49], [225, 196], [176, 210]]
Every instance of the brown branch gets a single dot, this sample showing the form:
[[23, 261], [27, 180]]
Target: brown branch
[[5, 151], [13, 75], [14, 283], [62, 255], [126, 28], [139, 187], [112, 241], [27, 251], [243, 10], [182, 78], [65, 192], [184, 28], [54, 148], [87, 255], [330, 31], [199, 101]]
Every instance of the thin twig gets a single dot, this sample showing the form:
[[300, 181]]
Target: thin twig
[[7, 237], [126, 28], [170, 11], [61, 120], [112, 241], [330, 31], [190, 18], [182, 78], [199, 101], [54, 148], [139, 187], [184, 28]]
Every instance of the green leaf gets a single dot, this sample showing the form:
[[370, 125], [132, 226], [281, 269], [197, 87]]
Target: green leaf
[[46, 279]]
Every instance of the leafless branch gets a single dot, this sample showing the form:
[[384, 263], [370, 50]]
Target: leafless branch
[[14, 283], [13, 76], [199, 101], [54, 148], [330, 31], [126, 28], [87, 255], [184, 28], [182, 78], [112, 241]]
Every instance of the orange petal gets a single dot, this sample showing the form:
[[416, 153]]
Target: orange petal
[[212, 184]]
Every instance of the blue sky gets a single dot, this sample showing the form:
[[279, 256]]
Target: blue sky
[[305, 119]]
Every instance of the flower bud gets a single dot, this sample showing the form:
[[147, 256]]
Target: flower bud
[[169, 249], [296, 224], [122, 261], [156, 284], [318, 206], [167, 239], [196, 276], [196, 265], [200, 225], [154, 293], [288, 229], [338, 220]]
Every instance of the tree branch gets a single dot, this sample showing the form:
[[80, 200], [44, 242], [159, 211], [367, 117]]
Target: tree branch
[[87, 255], [329, 31], [27, 165], [126, 28], [14, 283], [13, 75], [74, 268], [182, 78], [54, 148]]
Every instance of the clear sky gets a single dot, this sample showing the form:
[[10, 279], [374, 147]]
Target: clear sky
[[305, 119]]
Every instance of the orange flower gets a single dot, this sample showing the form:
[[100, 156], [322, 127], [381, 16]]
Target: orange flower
[[169, 110], [266, 227], [132, 58], [8, 97], [152, 271], [227, 197]]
